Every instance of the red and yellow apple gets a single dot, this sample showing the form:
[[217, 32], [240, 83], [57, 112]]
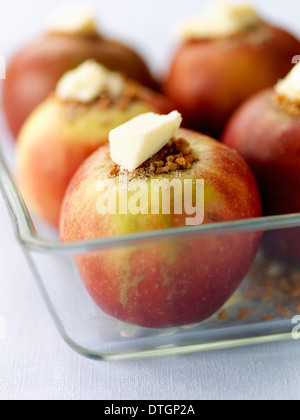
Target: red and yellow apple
[[33, 72], [209, 78], [267, 135], [176, 281], [60, 135], [268, 138]]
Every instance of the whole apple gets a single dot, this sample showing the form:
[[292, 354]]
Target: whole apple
[[209, 79], [177, 281], [33, 72], [59, 135], [268, 137]]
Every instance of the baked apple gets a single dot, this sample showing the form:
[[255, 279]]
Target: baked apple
[[70, 125], [175, 282], [72, 38], [226, 56], [266, 132]]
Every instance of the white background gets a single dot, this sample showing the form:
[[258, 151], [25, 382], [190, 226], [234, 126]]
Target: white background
[[34, 361]]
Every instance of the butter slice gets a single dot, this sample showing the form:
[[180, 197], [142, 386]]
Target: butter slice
[[73, 18], [290, 86], [223, 19], [142, 137], [88, 81]]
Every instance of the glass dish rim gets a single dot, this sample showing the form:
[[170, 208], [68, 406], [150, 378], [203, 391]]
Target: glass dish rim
[[180, 350], [26, 234]]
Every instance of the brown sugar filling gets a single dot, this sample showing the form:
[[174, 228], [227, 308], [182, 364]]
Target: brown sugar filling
[[291, 107], [175, 156], [130, 94], [256, 34]]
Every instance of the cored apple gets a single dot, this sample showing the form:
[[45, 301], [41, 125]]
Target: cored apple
[[60, 134], [266, 132], [210, 76], [177, 281], [33, 72]]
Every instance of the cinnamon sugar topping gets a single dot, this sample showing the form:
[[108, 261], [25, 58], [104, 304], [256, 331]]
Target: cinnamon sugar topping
[[175, 156], [290, 106], [130, 94]]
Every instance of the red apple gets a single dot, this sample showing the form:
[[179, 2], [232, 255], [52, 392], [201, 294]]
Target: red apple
[[175, 282], [209, 79], [34, 72], [59, 136], [267, 135]]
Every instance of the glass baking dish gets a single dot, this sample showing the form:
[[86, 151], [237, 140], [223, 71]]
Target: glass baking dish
[[261, 311]]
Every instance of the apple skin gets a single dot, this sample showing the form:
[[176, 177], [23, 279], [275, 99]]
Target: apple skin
[[175, 282], [34, 72], [208, 80], [268, 138], [51, 146]]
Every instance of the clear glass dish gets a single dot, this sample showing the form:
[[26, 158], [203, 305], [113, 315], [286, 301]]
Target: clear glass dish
[[261, 311]]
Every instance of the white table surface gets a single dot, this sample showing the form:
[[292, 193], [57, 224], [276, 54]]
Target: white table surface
[[35, 363]]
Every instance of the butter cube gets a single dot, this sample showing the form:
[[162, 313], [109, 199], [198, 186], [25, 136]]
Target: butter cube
[[88, 81], [223, 19], [73, 18], [136, 141], [289, 87]]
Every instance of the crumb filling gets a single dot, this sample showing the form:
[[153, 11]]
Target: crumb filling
[[177, 155], [130, 94], [290, 106], [253, 35]]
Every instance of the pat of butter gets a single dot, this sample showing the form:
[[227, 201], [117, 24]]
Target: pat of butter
[[290, 86], [88, 81], [73, 18], [223, 19], [142, 137]]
